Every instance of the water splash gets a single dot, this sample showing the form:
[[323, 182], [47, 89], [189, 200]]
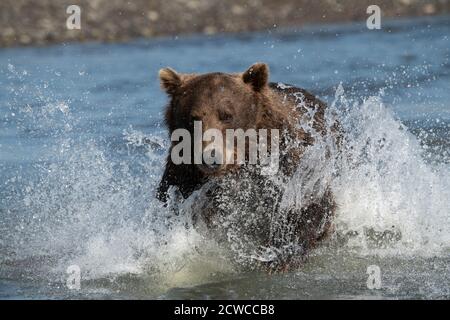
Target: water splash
[[94, 208], [389, 196]]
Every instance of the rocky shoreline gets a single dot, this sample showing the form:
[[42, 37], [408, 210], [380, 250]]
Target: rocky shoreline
[[30, 22]]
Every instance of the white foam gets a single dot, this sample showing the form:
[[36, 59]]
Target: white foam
[[385, 185]]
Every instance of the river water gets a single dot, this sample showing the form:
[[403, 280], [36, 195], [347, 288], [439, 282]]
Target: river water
[[78, 174]]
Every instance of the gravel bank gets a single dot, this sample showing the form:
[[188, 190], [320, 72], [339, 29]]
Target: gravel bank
[[31, 22]]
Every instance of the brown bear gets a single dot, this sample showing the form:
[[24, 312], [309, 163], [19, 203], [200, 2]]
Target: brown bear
[[248, 101]]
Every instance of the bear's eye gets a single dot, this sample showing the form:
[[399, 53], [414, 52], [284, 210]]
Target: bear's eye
[[225, 116]]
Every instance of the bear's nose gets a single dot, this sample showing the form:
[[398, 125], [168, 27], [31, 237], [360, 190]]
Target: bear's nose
[[212, 158], [213, 166]]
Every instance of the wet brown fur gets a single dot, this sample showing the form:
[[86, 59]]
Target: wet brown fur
[[245, 100]]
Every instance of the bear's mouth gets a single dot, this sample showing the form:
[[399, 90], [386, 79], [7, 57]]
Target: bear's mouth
[[210, 169], [218, 170]]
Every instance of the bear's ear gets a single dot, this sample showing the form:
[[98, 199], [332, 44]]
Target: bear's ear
[[170, 80], [257, 75]]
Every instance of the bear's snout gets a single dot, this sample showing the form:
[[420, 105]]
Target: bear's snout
[[213, 159]]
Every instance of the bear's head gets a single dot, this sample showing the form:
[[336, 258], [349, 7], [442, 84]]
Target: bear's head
[[220, 101]]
